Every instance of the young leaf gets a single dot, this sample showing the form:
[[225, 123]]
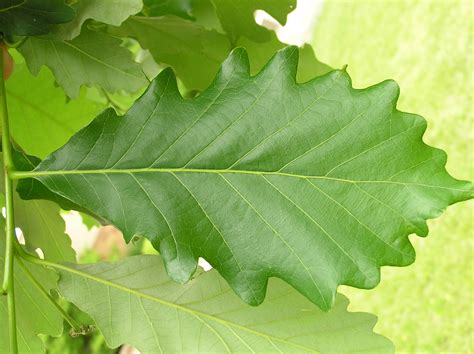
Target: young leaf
[[133, 302], [41, 119], [318, 184], [238, 19], [34, 312], [194, 52], [181, 8], [112, 12], [93, 58], [32, 17]]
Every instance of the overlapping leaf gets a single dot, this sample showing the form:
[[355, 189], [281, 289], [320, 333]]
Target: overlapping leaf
[[181, 8], [41, 119], [112, 12], [238, 19], [92, 58], [40, 221], [32, 17], [35, 313], [318, 184], [196, 53], [134, 302], [259, 54]]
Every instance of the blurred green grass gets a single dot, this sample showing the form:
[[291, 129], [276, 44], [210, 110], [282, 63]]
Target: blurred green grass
[[427, 47]]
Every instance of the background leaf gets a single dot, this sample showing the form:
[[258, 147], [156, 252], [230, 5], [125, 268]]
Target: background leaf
[[41, 117], [32, 17], [273, 188], [93, 58], [133, 302], [194, 52], [112, 12], [237, 18], [181, 8], [259, 54], [35, 313]]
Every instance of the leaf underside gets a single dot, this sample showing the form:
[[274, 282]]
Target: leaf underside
[[34, 311], [318, 184], [133, 301]]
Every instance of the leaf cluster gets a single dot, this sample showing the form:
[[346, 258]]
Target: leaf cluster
[[235, 148]]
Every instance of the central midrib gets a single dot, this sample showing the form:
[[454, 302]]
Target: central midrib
[[39, 173]]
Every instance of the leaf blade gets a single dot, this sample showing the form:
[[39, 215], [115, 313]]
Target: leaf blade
[[33, 17], [92, 58], [273, 189], [204, 316]]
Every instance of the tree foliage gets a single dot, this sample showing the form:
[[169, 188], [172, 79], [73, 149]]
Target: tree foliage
[[253, 155]]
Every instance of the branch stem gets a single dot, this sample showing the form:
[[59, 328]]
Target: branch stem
[[7, 284]]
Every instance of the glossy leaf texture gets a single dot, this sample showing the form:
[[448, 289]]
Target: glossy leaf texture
[[133, 301], [318, 184], [32, 17], [112, 12], [35, 313], [92, 58]]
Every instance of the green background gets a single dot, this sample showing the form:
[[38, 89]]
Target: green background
[[427, 47]]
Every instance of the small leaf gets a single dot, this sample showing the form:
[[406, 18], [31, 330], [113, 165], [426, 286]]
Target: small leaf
[[133, 302], [93, 58], [34, 312], [112, 12], [181, 8], [32, 17], [41, 120], [238, 19], [318, 184]]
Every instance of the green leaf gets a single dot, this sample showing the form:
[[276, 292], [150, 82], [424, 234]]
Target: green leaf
[[112, 12], [33, 189], [194, 52], [93, 58], [318, 184], [35, 313], [133, 302], [40, 220], [41, 118], [32, 17], [181, 8], [259, 54], [237, 18]]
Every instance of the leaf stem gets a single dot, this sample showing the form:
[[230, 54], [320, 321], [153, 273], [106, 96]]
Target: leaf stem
[[7, 284]]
